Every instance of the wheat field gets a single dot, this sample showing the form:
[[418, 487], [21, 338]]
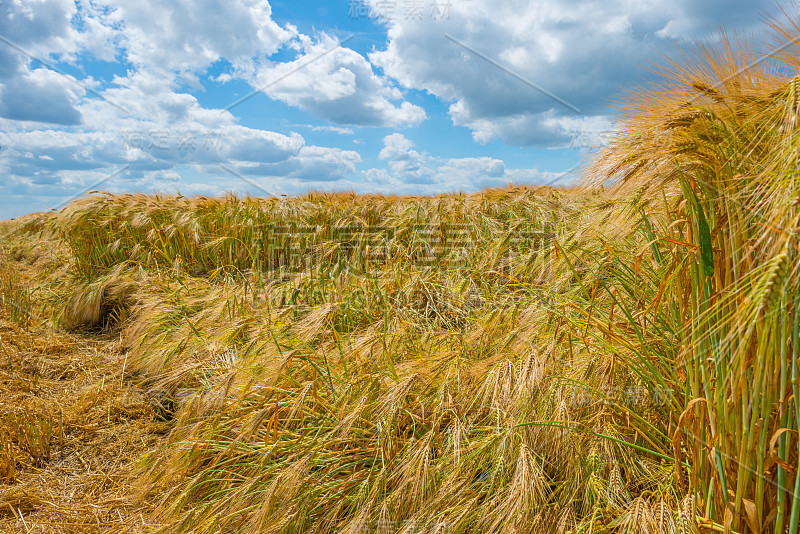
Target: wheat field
[[619, 356]]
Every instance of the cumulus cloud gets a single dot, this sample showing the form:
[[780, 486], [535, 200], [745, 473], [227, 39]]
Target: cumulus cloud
[[144, 124], [57, 135], [396, 146], [310, 164], [406, 164], [180, 40], [37, 29], [337, 84], [422, 173], [176, 131], [582, 53], [41, 95], [185, 36]]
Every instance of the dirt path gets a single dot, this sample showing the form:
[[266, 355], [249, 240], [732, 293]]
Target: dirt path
[[71, 432]]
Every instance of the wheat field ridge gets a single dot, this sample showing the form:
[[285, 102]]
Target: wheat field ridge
[[616, 357]]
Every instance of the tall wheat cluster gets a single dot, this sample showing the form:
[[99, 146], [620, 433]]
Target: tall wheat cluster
[[620, 357]]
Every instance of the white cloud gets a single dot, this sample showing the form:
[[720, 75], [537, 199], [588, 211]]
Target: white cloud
[[186, 36], [39, 27], [179, 40], [41, 95], [410, 171], [145, 121], [173, 129], [395, 145], [58, 136], [584, 53], [407, 165], [484, 166], [161, 128], [336, 84], [310, 164]]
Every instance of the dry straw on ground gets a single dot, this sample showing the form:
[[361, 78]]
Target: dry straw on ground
[[70, 428]]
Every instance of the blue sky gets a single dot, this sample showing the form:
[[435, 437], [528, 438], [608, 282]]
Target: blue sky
[[283, 97]]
